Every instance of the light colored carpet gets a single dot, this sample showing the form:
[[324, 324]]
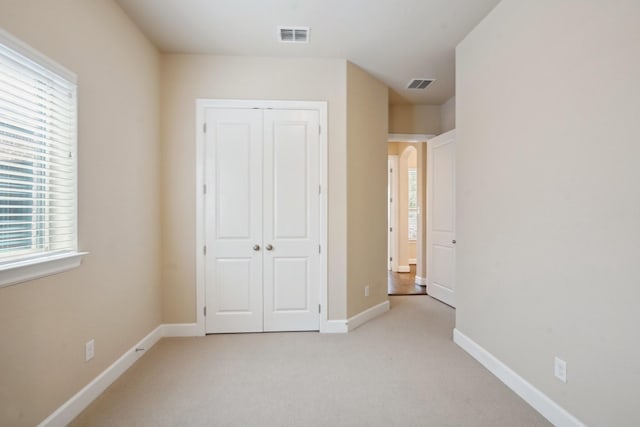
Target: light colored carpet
[[401, 369]]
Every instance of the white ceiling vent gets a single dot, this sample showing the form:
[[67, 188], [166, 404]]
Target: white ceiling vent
[[293, 34], [420, 83]]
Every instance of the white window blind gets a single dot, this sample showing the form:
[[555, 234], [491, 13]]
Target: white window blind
[[38, 121]]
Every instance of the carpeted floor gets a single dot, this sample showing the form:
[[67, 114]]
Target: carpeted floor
[[401, 369]]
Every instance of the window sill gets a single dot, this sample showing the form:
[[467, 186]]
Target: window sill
[[23, 271]]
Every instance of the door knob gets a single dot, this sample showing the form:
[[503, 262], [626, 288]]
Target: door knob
[[453, 241], [256, 247], [269, 247]]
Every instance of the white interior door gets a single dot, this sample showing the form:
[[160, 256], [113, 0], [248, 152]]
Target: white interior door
[[441, 218], [233, 220], [291, 220], [262, 269]]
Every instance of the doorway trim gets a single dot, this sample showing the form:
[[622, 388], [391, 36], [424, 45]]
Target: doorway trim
[[412, 138], [201, 105]]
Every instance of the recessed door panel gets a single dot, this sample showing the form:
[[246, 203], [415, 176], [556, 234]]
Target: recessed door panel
[[291, 284], [290, 176], [443, 188], [234, 291], [233, 183], [442, 267]]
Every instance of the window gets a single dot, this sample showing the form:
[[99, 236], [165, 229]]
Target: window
[[413, 204], [38, 121]]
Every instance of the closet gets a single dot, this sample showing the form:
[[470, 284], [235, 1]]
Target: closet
[[261, 219]]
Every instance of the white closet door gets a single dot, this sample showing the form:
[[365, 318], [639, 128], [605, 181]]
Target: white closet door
[[441, 218], [233, 223], [291, 220]]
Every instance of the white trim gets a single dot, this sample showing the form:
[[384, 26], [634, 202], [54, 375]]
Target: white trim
[[404, 269], [35, 268], [394, 160], [181, 330], [334, 327], [201, 105], [409, 137], [553, 412], [370, 313], [421, 281], [78, 402], [27, 51], [412, 261]]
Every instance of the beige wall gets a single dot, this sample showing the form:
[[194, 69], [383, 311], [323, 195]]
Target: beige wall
[[448, 115], [114, 297], [188, 77], [548, 200], [367, 130], [420, 119]]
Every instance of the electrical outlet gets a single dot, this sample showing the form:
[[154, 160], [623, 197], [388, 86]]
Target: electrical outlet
[[366, 291], [560, 369], [89, 350]]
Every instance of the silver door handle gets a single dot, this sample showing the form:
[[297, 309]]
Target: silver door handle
[[256, 247], [269, 247]]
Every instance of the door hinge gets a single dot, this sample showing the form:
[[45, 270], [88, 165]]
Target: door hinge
[[391, 229], [390, 258], [204, 127], [204, 250], [319, 308], [390, 199], [205, 311], [319, 130], [204, 189], [319, 189], [391, 170], [319, 249]]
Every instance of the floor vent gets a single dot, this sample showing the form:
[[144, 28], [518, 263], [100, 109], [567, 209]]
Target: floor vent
[[419, 83], [293, 34]]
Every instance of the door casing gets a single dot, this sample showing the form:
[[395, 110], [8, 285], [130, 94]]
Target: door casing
[[201, 106]]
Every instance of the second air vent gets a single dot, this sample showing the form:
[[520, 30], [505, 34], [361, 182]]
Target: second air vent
[[293, 34], [419, 83]]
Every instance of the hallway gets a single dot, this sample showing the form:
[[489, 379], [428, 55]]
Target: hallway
[[404, 283]]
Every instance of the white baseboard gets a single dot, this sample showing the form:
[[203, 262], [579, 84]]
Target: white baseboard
[[180, 330], [74, 406], [404, 269], [334, 327], [412, 261], [422, 281], [553, 412], [368, 314]]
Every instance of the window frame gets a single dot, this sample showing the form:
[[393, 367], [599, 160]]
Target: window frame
[[18, 269]]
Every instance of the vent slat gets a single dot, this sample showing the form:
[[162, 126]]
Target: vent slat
[[293, 34], [419, 83]]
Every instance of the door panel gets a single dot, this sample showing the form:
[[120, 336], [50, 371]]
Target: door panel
[[232, 190], [290, 185], [290, 284], [291, 220], [441, 210], [233, 220]]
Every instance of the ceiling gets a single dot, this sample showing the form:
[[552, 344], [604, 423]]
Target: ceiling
[[393, 40]]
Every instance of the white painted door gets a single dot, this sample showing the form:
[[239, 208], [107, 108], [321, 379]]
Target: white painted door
[[233, 220], [441, 218], [262, 220], [291, 220]]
